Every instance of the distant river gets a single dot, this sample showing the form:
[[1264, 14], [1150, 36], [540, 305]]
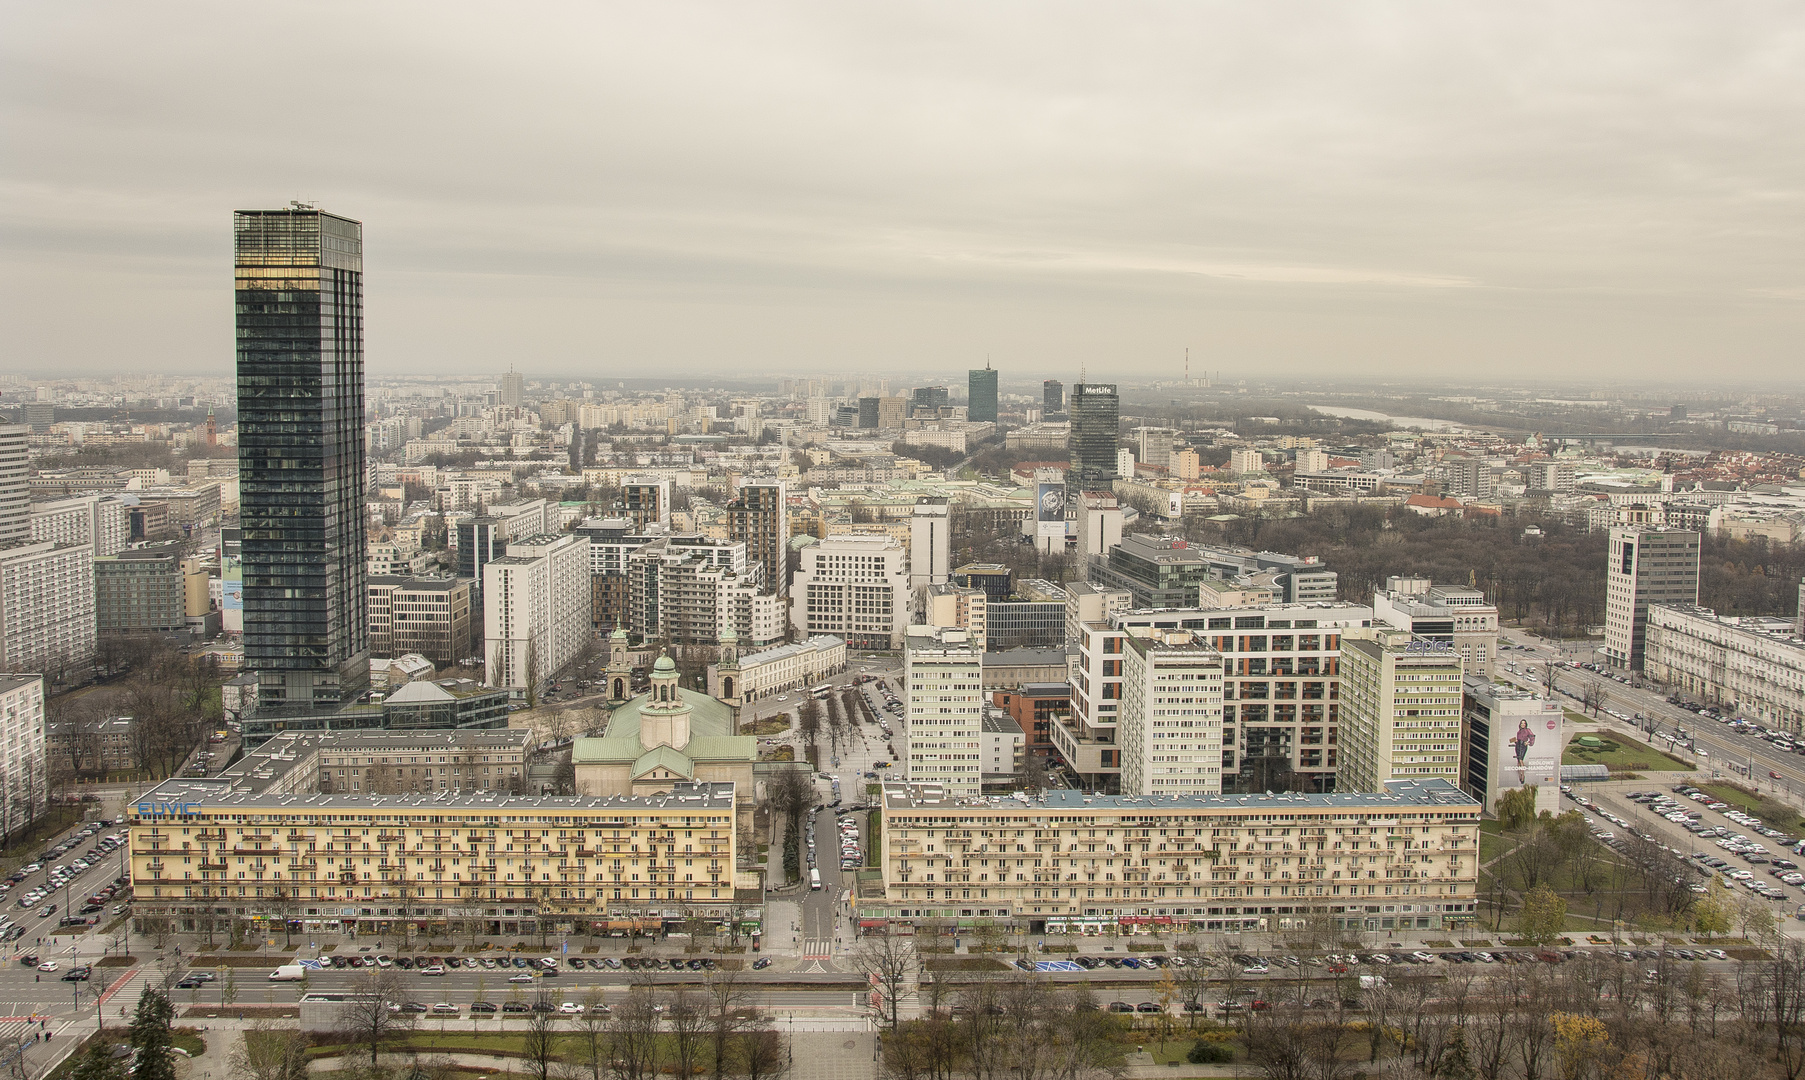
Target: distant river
[[1399, 422]]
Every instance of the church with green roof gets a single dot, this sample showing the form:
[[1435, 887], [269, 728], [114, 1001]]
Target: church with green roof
[[665, 737]]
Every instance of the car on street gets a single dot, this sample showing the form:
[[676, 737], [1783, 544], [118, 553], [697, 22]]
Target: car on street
[[48, 965], [523, 977], [444, 1007]]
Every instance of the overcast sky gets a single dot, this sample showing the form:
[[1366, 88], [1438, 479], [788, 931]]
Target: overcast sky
[[1561, 189]]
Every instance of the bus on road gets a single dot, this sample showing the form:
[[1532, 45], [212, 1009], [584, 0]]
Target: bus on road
[[823, 690], [814, 880]]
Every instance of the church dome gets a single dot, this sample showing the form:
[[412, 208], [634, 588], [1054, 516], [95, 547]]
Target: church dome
[[664, 664]]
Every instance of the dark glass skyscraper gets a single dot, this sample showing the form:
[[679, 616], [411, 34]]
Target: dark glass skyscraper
[[981, 395], [299, 304], [1096, 416], [1052, 397]]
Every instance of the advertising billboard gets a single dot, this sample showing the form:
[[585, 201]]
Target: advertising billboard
[[1526, 740], [1050, 502]]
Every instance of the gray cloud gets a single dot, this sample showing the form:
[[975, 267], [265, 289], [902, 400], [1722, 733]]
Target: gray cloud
[[581, 188]]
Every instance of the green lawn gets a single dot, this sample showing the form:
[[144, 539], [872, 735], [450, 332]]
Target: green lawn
[[1627, 755]]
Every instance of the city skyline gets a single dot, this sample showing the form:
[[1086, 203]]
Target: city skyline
[[818, 190]]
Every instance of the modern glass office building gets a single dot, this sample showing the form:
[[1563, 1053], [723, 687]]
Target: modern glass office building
[[981, 395], [1052, 397], [299, 308], [1096, 417]]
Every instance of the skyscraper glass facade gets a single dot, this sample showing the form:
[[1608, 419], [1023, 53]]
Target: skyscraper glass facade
[[1052, 397], [299, 310], [981, 395], [1095, 411]]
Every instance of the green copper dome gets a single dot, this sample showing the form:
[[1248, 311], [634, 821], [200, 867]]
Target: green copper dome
[[664, 664]]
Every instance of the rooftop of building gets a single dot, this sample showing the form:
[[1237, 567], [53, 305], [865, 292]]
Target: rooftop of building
[[1398, 795], [1025, 657], [1767, 626], [172, 797], [818, 643], [422, 583], [998, 722]]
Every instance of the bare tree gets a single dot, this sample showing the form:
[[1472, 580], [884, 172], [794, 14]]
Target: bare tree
[[591, 1036], [890, 962], [540, 1040], [635, 1036], [688, 1021], [366, 1017], [729, 1011], [760, 1055]]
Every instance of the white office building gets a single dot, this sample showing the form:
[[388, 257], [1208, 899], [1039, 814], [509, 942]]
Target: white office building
[[1170, 726], [1646, 565], [945, 702], [535, 609], [930, 543], [855, 587], [96, 520], [1462, 617], [47, 612]]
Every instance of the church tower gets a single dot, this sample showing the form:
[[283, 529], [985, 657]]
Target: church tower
[[620, 672], [664, 719], [727, 674]]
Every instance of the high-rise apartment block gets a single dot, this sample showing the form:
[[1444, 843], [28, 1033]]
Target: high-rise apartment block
[[140, 591], [981, 395], [301, 478], [98, 521], [15, 485], [1170, 726], [647, 501], [24, 779], [1559, 477], [47, 614], [1096, 422], [759, 518], [513, 389], [1400, 711], [1153, 446], [535, 609], [1245, 461], [945, 672], [855, 587], [1647, 565]]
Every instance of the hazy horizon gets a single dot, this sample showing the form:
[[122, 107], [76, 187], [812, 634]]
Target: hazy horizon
[[1537, 194]]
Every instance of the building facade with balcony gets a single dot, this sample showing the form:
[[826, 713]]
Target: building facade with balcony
[[1406, 857], [473, 863]]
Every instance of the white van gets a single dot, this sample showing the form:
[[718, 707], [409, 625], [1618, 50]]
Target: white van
[[288, 973]]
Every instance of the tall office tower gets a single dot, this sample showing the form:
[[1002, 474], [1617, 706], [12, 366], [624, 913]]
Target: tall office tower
[[1647, 565], [513, 388], [1052, 397], [1096, 413], [981, 395], [15, 486], [868, 413], [1170, 726], [928, 400], [930, 543], [891, 412], [759, 518], [301, 455], [1155, 446], [1400, 711], [946, 710]]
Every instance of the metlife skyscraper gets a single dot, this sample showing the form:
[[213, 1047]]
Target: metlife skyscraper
[[299, 310]]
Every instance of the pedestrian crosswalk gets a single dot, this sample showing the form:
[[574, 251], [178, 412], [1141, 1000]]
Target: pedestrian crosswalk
[[817, 948]]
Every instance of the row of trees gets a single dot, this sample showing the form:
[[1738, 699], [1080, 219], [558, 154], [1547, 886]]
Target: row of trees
[[713, 1029], [172, 697]]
